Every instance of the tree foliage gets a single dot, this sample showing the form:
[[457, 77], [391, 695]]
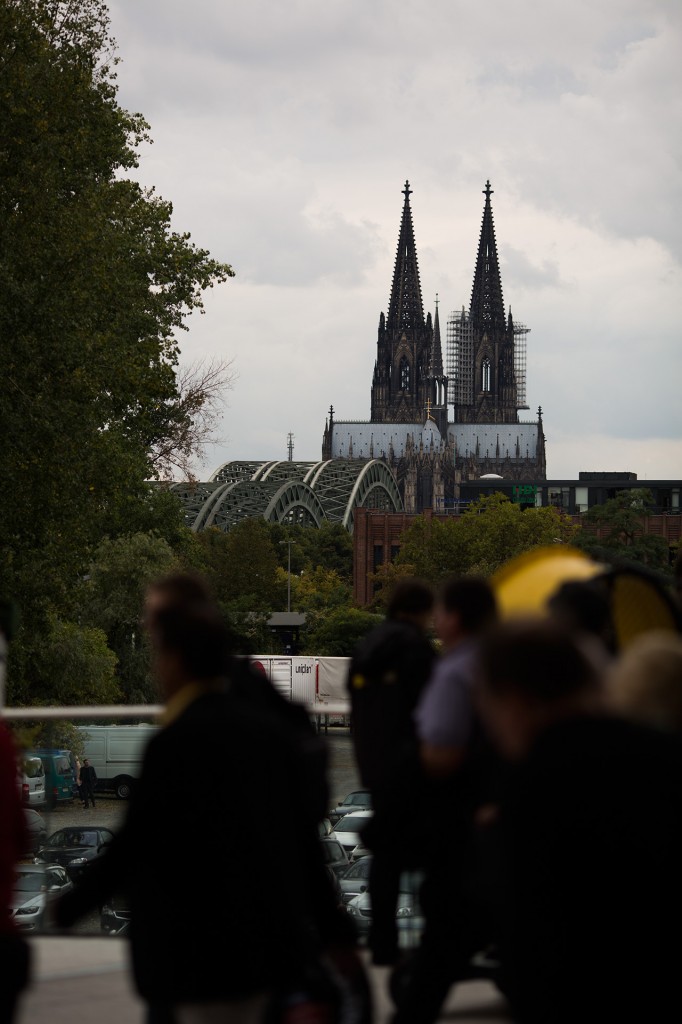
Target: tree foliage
[[94, 286], [339, 632], [614, 531], [487, 535], [111, 598]]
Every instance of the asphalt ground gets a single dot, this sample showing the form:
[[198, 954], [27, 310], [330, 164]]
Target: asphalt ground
[[83, 979]]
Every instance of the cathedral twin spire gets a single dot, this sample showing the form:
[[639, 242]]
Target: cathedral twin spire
[[487, 304], [405, 308]]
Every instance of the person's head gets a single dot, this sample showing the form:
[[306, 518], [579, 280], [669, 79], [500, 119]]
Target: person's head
[[645, 683], [411, 601], [86, 761], [531, 674], [177, 589], [583, 607], [190, 645], [465, 607]]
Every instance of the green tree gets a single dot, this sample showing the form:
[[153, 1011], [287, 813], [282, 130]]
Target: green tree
[[490, 532], [66, 664], [615, 531], [112, 599], [330, 547], [340, 631], [94, 286]]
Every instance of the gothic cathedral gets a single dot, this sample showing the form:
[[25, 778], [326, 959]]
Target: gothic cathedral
[[430, 452]]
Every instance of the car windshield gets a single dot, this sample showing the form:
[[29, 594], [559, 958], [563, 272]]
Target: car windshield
[[351, 823], [73, 837], [62, 766], [360, 800], [359, 869], [29, 881]]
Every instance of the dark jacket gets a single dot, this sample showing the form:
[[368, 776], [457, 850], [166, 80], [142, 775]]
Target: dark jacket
[[591, 831], [88, 777], [220, 905]]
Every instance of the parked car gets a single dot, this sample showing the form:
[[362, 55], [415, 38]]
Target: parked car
[[32, 781], [358, 800], [324, 828], [35, 886], [348, 830], [114, 918], [409, 917], [74, 847], [355, 879], [36, 831], [335, 857]]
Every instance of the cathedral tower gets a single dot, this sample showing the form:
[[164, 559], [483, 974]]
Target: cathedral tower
[[486, 387], [402, 385]]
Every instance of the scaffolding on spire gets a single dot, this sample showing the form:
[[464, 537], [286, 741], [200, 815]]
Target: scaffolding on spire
[[459, 358]]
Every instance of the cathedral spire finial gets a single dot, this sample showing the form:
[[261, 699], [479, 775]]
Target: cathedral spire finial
[[405, 308], [487, 304]]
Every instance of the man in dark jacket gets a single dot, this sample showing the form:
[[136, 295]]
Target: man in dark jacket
[[246, 922], [88, 783], [387, 674], [591, 830]]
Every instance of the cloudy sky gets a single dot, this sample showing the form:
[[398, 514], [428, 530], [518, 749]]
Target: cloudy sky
[[284, 130]]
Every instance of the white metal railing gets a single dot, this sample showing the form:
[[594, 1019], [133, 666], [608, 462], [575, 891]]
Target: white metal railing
[[138, 711]]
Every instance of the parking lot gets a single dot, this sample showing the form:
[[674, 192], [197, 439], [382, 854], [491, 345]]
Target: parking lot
[[109, 811]]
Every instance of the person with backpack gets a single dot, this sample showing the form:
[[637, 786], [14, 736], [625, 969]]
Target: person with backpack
[[388, 672]]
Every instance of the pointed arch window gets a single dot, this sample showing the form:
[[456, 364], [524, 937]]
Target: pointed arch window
[[485, 375], [405, 374]]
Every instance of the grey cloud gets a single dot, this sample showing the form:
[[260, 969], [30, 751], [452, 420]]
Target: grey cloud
[[518, 270]]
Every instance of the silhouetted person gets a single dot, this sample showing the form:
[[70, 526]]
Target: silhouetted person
[[455, 762], [387, 674], [591, 831], [88, 777], [222, 951]]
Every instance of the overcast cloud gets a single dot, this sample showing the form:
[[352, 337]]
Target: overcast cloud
[[283, 135]]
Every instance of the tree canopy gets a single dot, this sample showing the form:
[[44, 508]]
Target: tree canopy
[[487, 535], [615, 531], [94, 285]]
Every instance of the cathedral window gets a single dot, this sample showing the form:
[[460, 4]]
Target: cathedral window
[[405, 371], [485, 374]]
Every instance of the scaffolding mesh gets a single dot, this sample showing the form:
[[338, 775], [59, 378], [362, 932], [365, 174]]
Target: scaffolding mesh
[[459, 357], [520, 332]]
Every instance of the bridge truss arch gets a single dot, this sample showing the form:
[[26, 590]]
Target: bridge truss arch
[[306, 493], [288, 502]]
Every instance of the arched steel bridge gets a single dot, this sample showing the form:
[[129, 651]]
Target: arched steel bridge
[[306, 493]]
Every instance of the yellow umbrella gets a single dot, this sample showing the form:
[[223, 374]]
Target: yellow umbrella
[[524, 585], [637, 599]]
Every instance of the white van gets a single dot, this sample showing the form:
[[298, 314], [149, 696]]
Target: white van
[[116, 753], [32, 781]]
